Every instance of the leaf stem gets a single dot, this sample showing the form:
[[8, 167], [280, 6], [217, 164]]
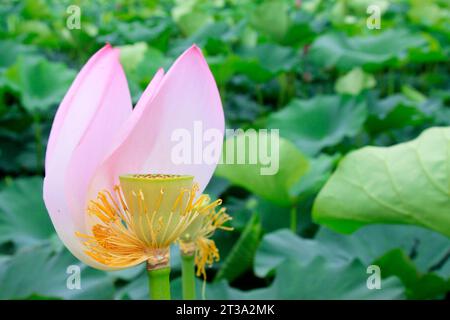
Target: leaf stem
[[188, 276], [159, 284]]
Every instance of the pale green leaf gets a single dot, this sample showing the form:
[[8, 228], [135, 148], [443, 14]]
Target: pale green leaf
[[131, 55], [271, 174], [271, 18], [354, 82], [406, 183]]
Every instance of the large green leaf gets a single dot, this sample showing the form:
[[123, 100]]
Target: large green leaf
[[319, 279], [273, 186], [319, 122], [406, 183], [271, 18], [39, 82], [427, 249], [417, 256], [23, 217], [372, 52], [190, 16], [316, 279], [42, 272]]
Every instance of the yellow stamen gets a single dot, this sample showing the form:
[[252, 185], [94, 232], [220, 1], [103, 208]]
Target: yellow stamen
[[140, 225], [202, 228], [206, 254]]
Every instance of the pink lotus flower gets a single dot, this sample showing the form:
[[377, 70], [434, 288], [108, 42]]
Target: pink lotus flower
[[97, 136]]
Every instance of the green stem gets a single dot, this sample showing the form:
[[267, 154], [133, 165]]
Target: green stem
[[158, 283], [188, 276], [294, 219]]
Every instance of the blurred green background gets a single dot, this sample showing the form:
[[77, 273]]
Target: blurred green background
[[313, 69]]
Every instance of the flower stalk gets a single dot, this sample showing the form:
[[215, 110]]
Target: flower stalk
[[158, 271], [188, 276], [159, 283], [187, 250]]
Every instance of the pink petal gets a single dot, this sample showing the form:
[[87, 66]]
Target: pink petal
[[187, 93], [93, 110], [139, 109]]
